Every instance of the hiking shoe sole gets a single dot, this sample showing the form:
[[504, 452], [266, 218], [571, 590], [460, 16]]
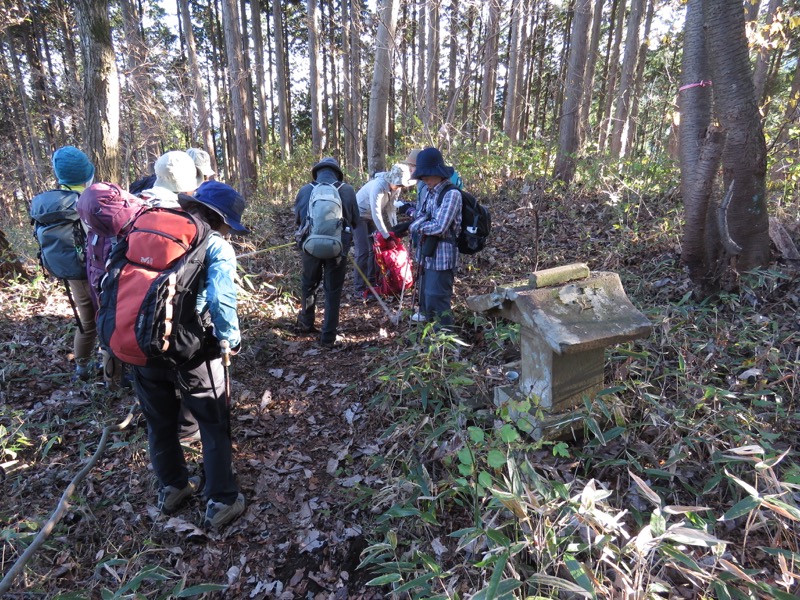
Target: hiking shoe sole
[[219, 514], [171, 498]]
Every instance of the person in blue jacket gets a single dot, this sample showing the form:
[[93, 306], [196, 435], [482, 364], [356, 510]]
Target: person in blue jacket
[[201, 381]]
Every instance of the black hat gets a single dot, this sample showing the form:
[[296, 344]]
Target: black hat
[[431, 163], [330, 163]]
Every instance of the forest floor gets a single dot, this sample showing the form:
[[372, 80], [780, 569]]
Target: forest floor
[[306, 436]]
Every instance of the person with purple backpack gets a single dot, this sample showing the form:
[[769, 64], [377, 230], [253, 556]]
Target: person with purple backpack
[[107, 211]]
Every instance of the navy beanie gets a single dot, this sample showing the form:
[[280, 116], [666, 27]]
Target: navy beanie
[[71, 166]]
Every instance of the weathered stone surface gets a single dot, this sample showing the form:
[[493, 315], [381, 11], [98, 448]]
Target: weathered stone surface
[[568, 316]]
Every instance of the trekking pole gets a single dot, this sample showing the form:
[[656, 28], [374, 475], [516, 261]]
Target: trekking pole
[[254, 252], [392, 318], [225, 347]]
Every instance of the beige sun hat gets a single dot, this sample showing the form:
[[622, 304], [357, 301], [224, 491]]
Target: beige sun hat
[[411, 159], [400, 174]]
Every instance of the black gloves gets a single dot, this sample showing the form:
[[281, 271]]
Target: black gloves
[[401, 229]]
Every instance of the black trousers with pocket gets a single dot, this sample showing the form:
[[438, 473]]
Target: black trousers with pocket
[[202, 391]]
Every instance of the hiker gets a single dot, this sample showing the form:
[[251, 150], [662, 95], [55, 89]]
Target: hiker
[[202, 380], [376, 206], [328, 271], [202, 163], [408, 208], [62, 240], [437, 222], [176, 174], [107, 212]]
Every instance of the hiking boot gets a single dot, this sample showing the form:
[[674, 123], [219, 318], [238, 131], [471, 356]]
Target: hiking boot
[[304, 328], [219, 513], [418, 317], [170, 498], [83, 372]]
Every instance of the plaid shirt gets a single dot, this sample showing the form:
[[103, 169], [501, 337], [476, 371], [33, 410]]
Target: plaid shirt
[[443, 221]]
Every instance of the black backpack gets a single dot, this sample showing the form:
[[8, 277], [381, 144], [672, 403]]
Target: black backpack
[[476, 222]]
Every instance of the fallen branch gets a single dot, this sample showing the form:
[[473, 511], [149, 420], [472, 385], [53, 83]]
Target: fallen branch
[[62, 507]]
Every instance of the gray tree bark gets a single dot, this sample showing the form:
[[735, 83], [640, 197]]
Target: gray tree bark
[[568, 135], [489, 73], [379, 94], [100, 89], [621, 122], [315, 85], [282, 83]]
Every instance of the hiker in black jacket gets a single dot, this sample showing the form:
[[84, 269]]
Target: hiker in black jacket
[[330, 272]]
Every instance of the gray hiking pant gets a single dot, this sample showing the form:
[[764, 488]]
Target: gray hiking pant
[[202, 390], [364, 254]]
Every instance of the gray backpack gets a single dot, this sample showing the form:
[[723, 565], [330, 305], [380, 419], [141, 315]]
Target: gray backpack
[[60, 234], [325, 222]]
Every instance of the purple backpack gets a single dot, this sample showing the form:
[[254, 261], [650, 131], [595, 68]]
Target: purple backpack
[[107, 211]]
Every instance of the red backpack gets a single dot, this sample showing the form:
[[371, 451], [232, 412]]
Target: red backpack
[[394, 266], [148, 305]]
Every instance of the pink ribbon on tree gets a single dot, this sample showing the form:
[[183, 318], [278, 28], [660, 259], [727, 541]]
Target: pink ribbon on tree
[[702, 83]]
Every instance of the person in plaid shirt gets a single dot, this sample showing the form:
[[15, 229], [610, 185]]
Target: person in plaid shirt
[[437, 223]]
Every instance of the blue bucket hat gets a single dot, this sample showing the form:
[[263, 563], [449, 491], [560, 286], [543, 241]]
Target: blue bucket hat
[[222, 199], [431, 163], [71, 166]]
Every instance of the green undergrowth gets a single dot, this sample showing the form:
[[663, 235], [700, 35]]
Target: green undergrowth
[[680, 479]]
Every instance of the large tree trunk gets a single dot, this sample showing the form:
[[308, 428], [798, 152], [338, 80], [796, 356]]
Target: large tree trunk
[[101, 88], [744, 160], [489, 73], [237, 82], [381, 80], [568, 138], [697, 177], [432, 66], [514, 65]]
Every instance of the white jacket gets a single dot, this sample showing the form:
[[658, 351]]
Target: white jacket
[[376, 202]]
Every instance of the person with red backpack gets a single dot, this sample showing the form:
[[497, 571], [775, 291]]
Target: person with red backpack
[[107, 211], [202, 380]]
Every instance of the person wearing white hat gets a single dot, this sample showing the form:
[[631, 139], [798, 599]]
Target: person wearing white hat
[[176, 174]]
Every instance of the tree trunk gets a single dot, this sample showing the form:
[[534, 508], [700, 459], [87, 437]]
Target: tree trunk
[[282, 82], [258, 67], [697, 177], [101, 88], [237, 83], [638, 82], [612, 52], [568, 138], [432, 66], [626, 83], [144, 113], [591, 65], [314, 77], [744, 160], [379, 94], [514, 50], [203, 129], [764, 51]]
